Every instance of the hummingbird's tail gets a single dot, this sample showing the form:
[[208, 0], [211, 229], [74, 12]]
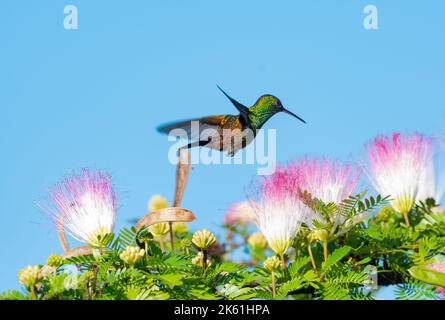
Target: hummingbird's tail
[[244, 111]]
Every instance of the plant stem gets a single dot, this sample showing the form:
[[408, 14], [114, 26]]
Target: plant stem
[[33, 292], [146, 249], [273, 285], [204, 259], [95, 272], [312, 258], [406, 217], [161, 244], [172, 241], [283, 263], [325, 250], [87, 289]]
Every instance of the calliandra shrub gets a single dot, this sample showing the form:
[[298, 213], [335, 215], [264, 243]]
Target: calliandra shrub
[[319, 238]]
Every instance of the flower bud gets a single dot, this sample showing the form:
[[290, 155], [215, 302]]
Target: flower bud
[[159, 230], [145, 237], [385, 214], [199, 259], [180, 227], [203, 239], [157, 202], [30, 276], [257, 241], [131, 255], [54, 260], [185, 243], [272, 264], [318, 235], [88, 274]]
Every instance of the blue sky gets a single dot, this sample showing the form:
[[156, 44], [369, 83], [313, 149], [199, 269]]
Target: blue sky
[[93, 97]]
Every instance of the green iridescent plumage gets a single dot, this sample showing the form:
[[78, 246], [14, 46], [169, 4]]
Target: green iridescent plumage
[[252, 118]]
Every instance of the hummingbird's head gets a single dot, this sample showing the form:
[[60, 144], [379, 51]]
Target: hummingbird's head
[[272, 105]]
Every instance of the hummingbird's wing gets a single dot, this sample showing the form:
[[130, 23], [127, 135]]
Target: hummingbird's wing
[[194, 127], [210, 132]]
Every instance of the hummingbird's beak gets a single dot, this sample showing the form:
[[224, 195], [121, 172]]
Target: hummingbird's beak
[[293, 115]]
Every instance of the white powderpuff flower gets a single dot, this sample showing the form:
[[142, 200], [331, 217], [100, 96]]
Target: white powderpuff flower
[[396, 165], [331, 181], [85, 206], [328, 180], [240, 213], [279, 212], [432, 174], [279, 221]]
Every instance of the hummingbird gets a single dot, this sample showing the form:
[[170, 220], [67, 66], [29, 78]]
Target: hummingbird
[[212, 131]]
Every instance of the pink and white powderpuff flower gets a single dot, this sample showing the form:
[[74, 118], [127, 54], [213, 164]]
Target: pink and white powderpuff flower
[[396, 165], [432, 177], [279, 211], [440, 267], [84, 205], [328, 180], [240, 213]]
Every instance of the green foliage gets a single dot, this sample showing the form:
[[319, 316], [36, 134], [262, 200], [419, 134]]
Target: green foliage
[[358, 233], [14, 295], [415, 290], [335, 257]]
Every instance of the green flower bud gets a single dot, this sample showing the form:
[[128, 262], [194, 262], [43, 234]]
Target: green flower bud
[[159, 230], [272, 264], [131, 255], [30, 276], [145, 237], [203, 239], [199, 259], [318, 235], [385, 214], [180, 227], [185, 243], [54, 260], [157, 202], [257, 241], [89, 274]]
